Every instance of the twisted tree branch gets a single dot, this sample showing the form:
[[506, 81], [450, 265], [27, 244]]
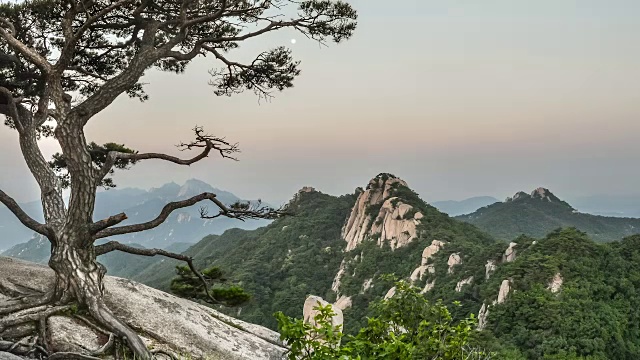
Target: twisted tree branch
[[240, 211], [114, 245], [24, 218], [208, 142]]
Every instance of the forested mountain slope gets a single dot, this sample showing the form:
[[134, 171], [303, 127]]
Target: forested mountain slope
[[540, 212]]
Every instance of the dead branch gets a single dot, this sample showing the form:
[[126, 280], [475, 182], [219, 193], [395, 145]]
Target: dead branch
[[203, 140]]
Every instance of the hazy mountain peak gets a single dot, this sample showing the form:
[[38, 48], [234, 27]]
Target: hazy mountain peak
[[168, 189], [194, 187], [539, 193], [542, 193], [298, 195]]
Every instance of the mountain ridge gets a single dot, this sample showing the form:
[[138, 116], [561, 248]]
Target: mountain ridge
[[539, 212]]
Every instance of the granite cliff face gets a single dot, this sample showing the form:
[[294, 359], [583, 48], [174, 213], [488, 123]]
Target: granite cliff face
[[378, 213]]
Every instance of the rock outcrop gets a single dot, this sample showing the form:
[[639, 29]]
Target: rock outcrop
[[556, 283], [298, 195], [343, 302], [309, 312], [428, 286], [504, 291], [427, 253], [431, 250], [395, 221], [482, 316], [489, 268], [367, 285], [454, 259], [167, 321], [463, 282], [335, 286], [510, 253], [70, 335], [390, 293], [418, 273], [393, 225]]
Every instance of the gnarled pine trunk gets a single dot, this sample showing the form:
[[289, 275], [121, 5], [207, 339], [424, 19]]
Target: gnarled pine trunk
[[79, 279]]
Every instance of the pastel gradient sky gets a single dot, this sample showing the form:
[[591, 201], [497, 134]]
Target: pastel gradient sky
[[459, 98]]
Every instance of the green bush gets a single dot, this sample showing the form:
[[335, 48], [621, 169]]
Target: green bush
[[405, 326]]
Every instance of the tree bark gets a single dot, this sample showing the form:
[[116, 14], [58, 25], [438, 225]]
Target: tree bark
[[79, 279]]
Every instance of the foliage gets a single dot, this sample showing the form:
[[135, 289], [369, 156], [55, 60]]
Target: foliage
[[405, 326], [98, 155], [188, 285]]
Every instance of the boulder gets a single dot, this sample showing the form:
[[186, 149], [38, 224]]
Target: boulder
[[343, 302], [504, 291], [390, 293], [482, 316], [489, 268], [556, 283], [454, 259], [428, 287], [431, 250], [166, 321], [463, 282], [510, 253], [309, 312]]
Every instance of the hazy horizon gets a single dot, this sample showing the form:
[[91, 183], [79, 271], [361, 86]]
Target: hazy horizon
[[458, 100]]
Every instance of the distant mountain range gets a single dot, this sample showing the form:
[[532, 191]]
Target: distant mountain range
[[540, 212], [604, 205], [183, 226], [455, 208], [609, 205]]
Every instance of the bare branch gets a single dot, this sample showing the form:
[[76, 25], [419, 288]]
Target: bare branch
[[108, 222], [240, 211], [24, 218], [114, 245], [208, 142]]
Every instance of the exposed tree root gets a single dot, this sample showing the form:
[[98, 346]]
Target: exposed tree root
[[23, 303], [27, 309], [71, 356], [30, 315], [101, 313], [16, 290], [106, 347], [24, 347], [25, 313], [163, 352]]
